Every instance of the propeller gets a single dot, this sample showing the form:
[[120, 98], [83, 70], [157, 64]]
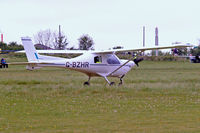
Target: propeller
[[137, 60]]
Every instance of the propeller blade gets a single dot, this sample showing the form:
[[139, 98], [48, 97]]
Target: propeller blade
[[137, 60]]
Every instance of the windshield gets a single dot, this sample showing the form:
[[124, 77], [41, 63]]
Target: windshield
[[112, 59]]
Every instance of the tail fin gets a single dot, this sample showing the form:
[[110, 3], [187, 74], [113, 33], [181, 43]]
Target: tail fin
[[30, 50]]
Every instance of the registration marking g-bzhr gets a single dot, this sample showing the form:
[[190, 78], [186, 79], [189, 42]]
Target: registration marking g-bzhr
[[77, 64]]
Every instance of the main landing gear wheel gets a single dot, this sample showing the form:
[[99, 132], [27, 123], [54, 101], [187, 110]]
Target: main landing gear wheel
[[112, 83], [121, 80], [86, 83]]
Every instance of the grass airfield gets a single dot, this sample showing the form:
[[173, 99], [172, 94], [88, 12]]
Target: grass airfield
[[155, 97]]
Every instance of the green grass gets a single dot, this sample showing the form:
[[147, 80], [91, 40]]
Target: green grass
[[156, 97]]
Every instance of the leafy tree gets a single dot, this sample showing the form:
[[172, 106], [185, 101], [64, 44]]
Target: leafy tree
[[180, 51], [195, 51], [86, 42], [60, 42], [14, 46], [6, 48], [3, 46]]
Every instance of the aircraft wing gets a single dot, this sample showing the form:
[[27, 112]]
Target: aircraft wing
[[107, 51], [58, 51], [140, 49]]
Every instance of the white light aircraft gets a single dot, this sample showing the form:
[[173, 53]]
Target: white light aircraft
[[92, 63]]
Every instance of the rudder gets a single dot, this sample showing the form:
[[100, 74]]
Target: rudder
[[30, 50]]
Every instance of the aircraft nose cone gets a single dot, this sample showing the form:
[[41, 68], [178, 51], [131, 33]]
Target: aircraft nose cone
[[131, 63]]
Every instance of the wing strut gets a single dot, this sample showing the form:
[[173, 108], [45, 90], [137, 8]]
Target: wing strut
[[118, 68], [107, 80]]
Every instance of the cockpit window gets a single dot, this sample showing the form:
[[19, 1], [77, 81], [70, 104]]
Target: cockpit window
[[97, 59], [112, 59]]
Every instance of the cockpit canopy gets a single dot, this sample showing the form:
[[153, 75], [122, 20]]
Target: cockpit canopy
[[112, 59], [108, 58]]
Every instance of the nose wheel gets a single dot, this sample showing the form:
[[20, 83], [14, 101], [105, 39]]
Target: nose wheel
[[112, 83], [121, 80], [87, 83]]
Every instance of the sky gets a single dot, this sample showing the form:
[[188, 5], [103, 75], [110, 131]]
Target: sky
[[109, 22]]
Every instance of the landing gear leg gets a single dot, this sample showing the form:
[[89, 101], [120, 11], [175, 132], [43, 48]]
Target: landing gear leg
[[87, 82], [121, 80], [110, 83]]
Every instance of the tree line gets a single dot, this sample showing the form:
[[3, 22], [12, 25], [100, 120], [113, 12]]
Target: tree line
[[11, 46], [52, 40], [58, 40]]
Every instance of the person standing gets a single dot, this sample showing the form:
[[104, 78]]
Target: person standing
[[3, 63]]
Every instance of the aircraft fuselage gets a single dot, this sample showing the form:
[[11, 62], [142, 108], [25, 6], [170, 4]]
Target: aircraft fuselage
[[94, 64]]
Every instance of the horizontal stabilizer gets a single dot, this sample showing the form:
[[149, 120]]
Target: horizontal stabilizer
[[25, 63]]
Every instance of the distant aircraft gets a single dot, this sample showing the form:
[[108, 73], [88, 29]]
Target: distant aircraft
[[92, 63]]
